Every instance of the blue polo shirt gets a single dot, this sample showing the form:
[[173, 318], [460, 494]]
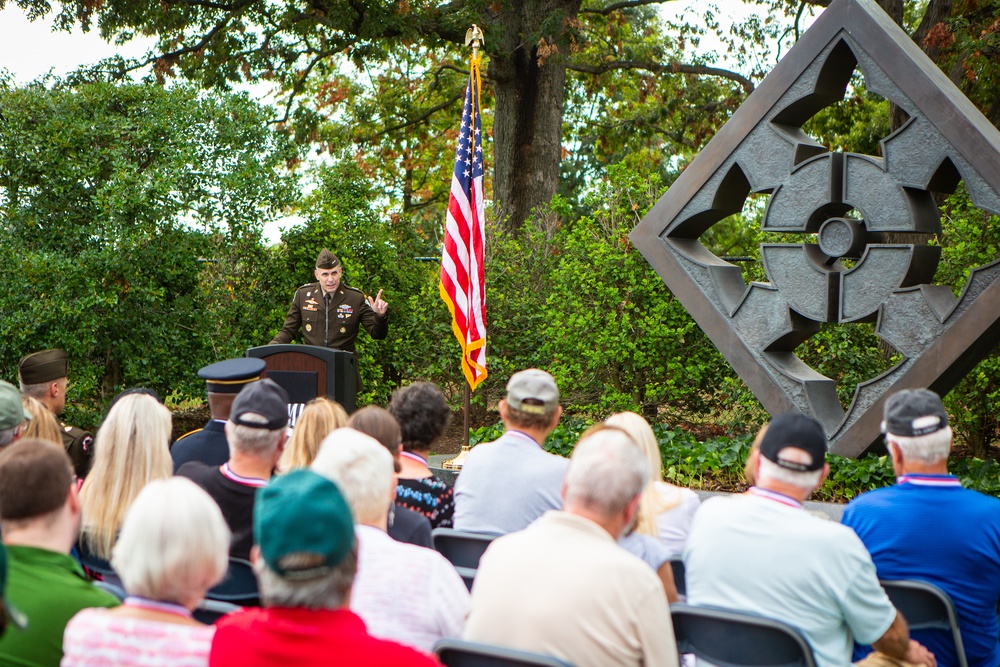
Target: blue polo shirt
[[928, 527]]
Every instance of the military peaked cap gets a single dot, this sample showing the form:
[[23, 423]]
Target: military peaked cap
[[231, 375]]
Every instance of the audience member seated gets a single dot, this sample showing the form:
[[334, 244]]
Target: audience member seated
[[423, 415], [223, 381], [405, 525], [666, 511], [928, 527], [14, 416], [563, 586], [132, 449], [40, 519], [306, 559], [647, 547], [761, 552], [174, 545], [402, 592], [507, 484], [43, 424], [321, 417], [256, 434]]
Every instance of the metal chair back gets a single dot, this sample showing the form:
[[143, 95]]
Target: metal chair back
[[926, 607], [461, 653], [727, 638]]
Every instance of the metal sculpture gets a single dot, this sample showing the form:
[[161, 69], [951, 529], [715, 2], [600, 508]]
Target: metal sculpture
[[845, 206]]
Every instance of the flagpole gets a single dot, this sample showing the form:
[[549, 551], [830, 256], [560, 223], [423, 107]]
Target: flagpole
[[473, 38]]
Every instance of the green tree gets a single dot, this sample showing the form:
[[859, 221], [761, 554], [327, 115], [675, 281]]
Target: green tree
[[117, 203], [531, 46]]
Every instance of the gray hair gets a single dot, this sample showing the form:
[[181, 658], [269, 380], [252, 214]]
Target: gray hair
[[36, 390], [929, 448], [251, 440], [327, 592], [174, 542], [363, 470], [606, 472], [7, 435], [769, 471]]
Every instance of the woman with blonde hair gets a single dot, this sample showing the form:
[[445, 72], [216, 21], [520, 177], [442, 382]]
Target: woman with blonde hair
[[132, 448], [665, 510], [319, 418], [43, 424]]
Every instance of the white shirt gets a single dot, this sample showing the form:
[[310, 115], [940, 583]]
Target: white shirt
[[407, 593]]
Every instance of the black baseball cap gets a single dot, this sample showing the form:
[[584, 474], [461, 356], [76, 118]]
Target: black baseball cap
[[265, 398], [913, 412], [794, 430]]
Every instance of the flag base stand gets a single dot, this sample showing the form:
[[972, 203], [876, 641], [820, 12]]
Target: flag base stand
[[457, 462]]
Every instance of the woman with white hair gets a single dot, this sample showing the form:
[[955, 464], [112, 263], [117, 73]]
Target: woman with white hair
[[173, 547], [665, 510]]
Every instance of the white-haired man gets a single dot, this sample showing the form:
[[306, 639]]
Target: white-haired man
[[403, 592], [306, 558], [761, 552], [563, 586], [928, 527], [256, 433], [506, 484]]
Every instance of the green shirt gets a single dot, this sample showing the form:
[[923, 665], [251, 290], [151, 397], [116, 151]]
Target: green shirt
[[49, 588]]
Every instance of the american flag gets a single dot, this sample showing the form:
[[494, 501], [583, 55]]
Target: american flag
[[463, 279]]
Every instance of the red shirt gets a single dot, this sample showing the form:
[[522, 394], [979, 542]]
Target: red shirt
[[281, 637]]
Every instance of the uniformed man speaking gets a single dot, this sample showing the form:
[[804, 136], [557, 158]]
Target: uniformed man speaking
[[329, 312]]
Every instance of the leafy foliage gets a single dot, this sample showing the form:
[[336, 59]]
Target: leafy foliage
[[113, 200]]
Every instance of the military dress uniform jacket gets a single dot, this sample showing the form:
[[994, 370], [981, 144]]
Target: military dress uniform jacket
[[331, 323], [79, 445]]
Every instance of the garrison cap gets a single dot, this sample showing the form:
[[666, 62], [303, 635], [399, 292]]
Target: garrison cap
[[44, 366], [231, 375], [327, 260]]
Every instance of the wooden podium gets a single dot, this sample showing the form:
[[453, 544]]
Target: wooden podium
[[307, 371]]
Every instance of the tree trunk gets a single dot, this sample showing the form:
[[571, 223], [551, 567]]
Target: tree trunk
[[528, 76]]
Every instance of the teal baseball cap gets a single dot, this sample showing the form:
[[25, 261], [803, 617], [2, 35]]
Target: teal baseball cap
[[13, 615], [302, 525], [12, 410]]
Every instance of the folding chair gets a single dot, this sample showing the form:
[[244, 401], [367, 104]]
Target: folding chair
[[461, 653], [677, 566], [117, 591], [463, 549], [239, 586], [728, 638], [926, 607], [209, 611]]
